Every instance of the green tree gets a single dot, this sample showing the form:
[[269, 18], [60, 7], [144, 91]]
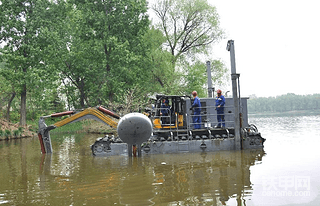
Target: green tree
[[21, 23], [284, 103], [163, 78], [195, 78], [99, 51], [7, 92], [190, 26], [118, 27]]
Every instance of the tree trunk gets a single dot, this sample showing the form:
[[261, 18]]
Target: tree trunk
[[23, 108], [110, 96], [82, 94], [13, 94], [82, 99]]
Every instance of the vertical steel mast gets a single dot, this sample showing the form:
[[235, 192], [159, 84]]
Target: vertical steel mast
[[234, 77], [210, 88]]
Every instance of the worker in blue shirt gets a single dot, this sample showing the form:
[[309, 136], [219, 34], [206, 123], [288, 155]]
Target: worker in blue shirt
[[220, 102], [197, 109], [165, 111]]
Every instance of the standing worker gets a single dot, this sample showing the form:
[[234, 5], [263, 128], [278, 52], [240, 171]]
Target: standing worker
[[220, 101], [197, 109], [165, 111]]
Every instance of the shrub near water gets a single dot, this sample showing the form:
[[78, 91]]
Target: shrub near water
[[20, 129], [7, 133], [16, 133]]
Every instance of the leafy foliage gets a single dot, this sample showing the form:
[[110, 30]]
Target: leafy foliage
[[16, 133], [189, 26], [73, 54], [21, 23], [7, 133]]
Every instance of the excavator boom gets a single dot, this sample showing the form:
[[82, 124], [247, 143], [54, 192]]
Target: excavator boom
[[98, 113], [89, 113]]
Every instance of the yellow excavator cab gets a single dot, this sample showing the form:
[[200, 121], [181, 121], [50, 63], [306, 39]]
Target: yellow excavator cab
[[169, 112]]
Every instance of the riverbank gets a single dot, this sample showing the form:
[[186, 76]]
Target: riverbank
[[10, 130], [287, 113]]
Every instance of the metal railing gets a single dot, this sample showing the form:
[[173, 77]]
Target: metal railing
[[209, 120]]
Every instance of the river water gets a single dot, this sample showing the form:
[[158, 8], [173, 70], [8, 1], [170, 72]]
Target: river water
[[285, 172]]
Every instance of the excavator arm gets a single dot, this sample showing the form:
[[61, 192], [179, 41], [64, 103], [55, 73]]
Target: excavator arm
[[89, 113], [98, 113]]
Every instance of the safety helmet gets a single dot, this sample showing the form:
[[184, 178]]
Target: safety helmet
[[194, 93], [219, 91]]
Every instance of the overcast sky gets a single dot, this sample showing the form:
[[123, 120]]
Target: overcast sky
[[276, 44]]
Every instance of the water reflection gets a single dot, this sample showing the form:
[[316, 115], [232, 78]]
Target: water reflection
[[175, 179], [211, 178], [72, 176]]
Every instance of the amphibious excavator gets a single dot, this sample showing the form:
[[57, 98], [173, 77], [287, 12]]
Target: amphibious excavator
[[154, 133], [170, 131]]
